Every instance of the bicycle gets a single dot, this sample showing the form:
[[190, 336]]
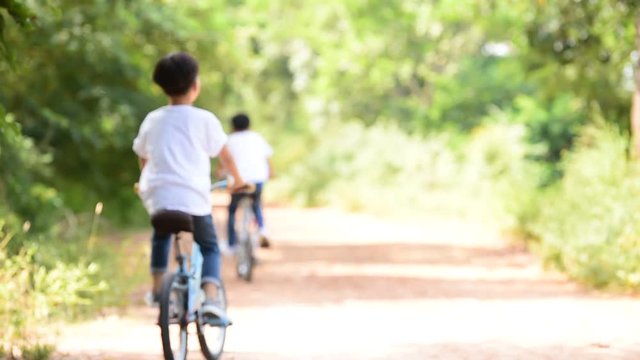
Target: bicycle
[[181, 296], [246, 230]]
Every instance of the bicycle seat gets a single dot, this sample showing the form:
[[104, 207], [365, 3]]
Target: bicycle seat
[[171, 222]]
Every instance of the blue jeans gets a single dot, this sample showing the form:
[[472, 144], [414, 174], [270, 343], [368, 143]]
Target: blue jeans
[[205, 235], [256, 205]]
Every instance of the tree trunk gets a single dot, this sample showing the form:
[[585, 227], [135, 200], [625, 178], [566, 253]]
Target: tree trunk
[[635, 103]]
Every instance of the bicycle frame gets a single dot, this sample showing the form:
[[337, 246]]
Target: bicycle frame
[[193, 274], [196, 273]]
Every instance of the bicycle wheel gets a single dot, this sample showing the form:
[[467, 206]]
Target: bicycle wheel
[[211, 336], [173, 322], [244, 255]]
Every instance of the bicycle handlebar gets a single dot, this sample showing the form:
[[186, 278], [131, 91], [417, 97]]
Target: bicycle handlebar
[[247, 188], [222, 184]]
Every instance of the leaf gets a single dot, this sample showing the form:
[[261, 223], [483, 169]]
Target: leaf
[[2, 24]]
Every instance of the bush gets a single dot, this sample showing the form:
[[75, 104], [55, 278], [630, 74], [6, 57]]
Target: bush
[[588, 224], [32, 294], [383, 169], [48, 268], [37, 351], [498, 174], [378, 168], [584, 219]]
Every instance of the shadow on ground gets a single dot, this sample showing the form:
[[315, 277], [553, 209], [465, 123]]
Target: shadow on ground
[[334, 274]]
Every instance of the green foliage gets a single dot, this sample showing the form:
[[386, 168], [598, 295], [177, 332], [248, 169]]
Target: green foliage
[[350, 163], [480, 84], [21, 14], [54, 278], [583, 48], [37, 351], [18, 10], [88, 96], [46, 272], [382, 169], [120, 268], [498, 176], [42, 277], [423, 66], [29, 167], [32, 293], [552, 125], [587, 224]]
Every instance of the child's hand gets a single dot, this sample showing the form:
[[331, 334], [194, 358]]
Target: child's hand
[[238, 186], [244, 188]]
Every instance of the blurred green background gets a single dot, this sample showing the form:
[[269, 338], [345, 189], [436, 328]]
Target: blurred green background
[[516, 111]]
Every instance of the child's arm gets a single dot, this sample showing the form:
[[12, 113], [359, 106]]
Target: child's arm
[[141, 162], [230, 166], [271, 174], [219, 172]]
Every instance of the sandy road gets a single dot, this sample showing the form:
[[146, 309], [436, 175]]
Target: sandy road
[[345, 286]]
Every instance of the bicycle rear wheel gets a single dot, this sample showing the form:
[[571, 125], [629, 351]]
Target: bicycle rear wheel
[[211, 335], [244, 255], [173, 322], [244, 261]]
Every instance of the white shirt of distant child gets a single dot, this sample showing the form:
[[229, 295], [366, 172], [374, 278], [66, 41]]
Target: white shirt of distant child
[[250, 152], [177, 175]]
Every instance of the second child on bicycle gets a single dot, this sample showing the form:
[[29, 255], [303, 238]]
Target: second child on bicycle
[[174, 145], [251, 153]]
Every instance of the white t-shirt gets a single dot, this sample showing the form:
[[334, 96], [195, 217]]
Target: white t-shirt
[[178, 141], [250, 152]]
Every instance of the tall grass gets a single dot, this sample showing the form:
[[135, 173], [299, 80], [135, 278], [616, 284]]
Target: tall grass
[[58, 276], [31, 293]]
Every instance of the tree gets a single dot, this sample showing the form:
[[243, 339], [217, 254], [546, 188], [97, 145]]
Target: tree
[[20, 13], [20, 162], [81, 88], [635, 107], [585, 48]]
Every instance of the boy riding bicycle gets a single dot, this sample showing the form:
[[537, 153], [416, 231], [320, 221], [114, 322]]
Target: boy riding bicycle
[[251, 154], [174, 146]]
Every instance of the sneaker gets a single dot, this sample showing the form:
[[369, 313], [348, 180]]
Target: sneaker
[[228, 251], [152, 299], [213, 314], [264, 241]]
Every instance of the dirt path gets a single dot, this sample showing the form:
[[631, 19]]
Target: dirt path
[[344, 286]]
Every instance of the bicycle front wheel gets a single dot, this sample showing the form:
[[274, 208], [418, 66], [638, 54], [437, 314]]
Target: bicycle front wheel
[[211, 335], [173, 318]]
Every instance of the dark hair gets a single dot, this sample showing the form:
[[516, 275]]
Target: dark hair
[[176, 73], [240, 122]]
